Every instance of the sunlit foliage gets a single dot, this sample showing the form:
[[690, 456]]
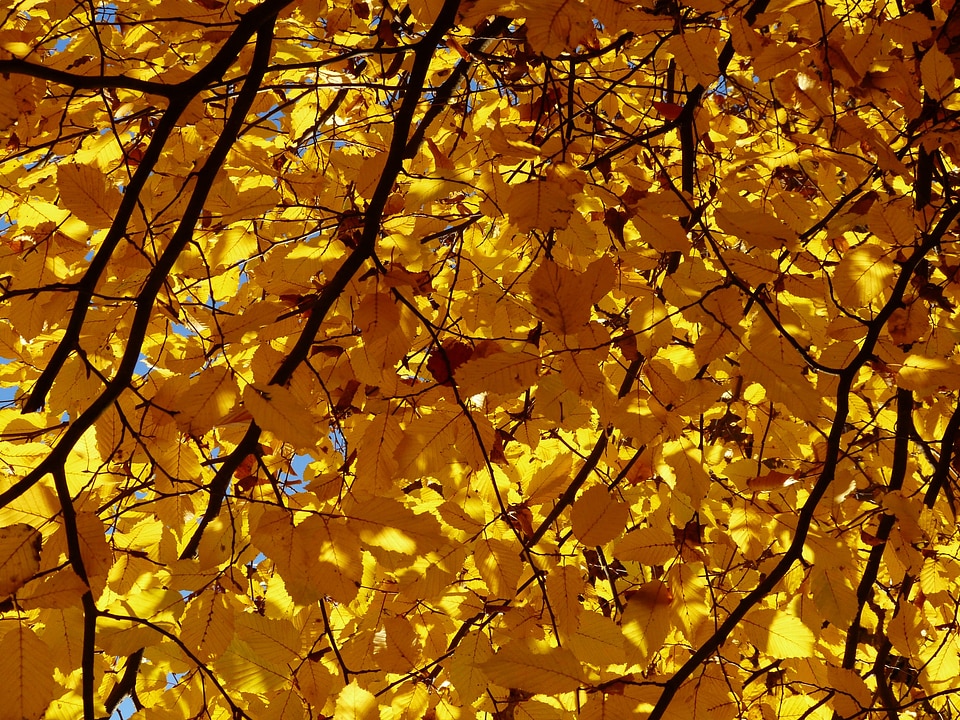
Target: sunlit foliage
[[468, 359]]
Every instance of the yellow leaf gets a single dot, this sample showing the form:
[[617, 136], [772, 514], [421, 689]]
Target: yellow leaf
[[778, 634], [327, 547], [277, 410], [892, 224], [650, 546], [909, 324], [209, 399], [355, 703], [555, 26], [314, 681], [376, 456], [538, 205], [907, 631], [234, 245], [502, 373], [245, 671], [598, 640], [598, 516], [607, 706], [388, 524], [85, 192], [775, 365], [26, 667], [287, 705], [776, 59], [936, 72], [689, 588], [275, 640], [691, 477], [498, 562], [938, 574], [59, 590], [564, 586], [696, 54], [368, 175], [852, 695], [19, 556], [834, 595], [941, 665], [427, 445], [761, 229], [563, 297], [95, 551], [207, 626], [708, 696], [377, 316], [465, 666], [544, 671], [664, 234], [647, 617], [862, 276], [925, 375]]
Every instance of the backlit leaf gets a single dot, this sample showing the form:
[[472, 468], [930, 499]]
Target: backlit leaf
[[355, 703], [343, 342], [862, 276], [536, 670], [650, 546], [277, 410], [26, 666], [19, 556], [937, 74], [778, 634], [598, 516], [85, 192]]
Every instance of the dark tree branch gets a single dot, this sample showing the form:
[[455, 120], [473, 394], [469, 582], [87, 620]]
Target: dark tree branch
[[819, 489], [423, 54], [158, 275], [901, 453]]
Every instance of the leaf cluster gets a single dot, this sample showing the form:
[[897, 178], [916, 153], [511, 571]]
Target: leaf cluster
[[455, 359]]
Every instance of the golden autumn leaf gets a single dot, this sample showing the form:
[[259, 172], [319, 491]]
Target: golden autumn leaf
[[862, 276], [27, 666], [937, 73], [540, 204], [709, 695], [84, 191], [207, 401], [597, 640], [278, 410], [598, 517], [925, 374], [356, 703], [534, 669], [207, 627], [650, 546], [563, 297], [778, 634], [696, 55], [500, 373], [249, 673], [467, 358], [60, 590], [556, 25], [19, 556], [646, 620], [834, 596]]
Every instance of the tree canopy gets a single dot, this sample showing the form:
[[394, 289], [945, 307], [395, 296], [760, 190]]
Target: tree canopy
[[467, 359]]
